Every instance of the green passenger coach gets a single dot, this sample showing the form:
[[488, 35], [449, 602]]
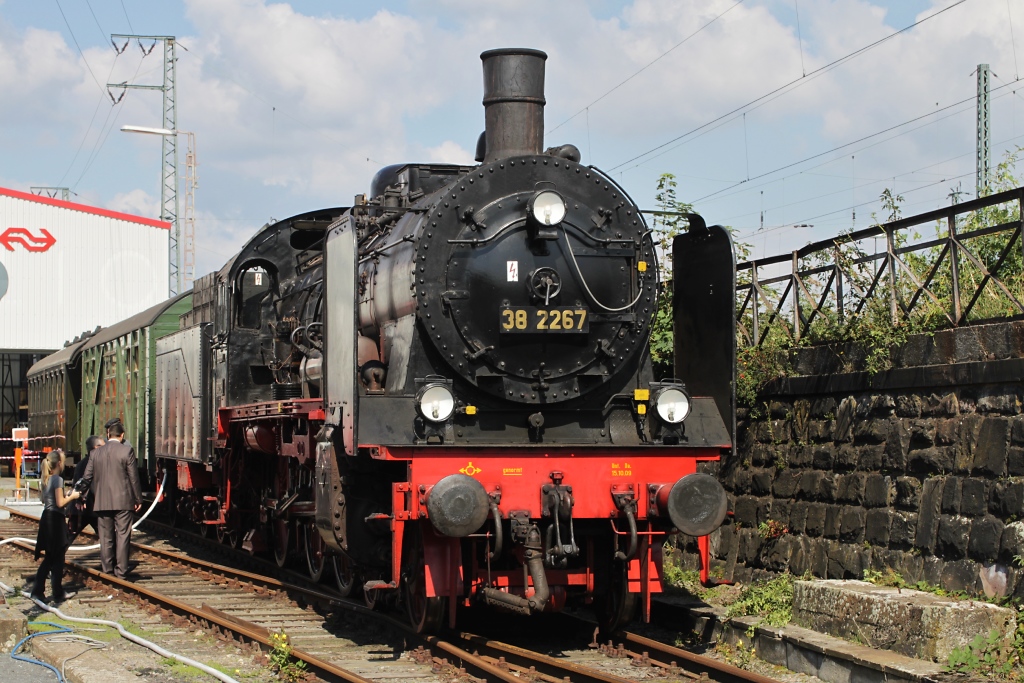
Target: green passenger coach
[[118, 371]]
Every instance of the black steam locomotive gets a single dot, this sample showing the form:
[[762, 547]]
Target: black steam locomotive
[[445, 390]]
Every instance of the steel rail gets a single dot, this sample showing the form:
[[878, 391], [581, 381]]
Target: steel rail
[[719, 671], [256, 632], [543, 663]]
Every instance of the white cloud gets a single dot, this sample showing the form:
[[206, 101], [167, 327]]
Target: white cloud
[[136, 202]]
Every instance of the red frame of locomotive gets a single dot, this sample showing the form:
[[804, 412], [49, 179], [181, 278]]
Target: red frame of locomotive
[[594, 472]]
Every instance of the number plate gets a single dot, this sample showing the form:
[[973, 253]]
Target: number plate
[[533, 320]]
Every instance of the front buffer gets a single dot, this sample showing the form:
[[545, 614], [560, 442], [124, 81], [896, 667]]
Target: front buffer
[[530, 530]]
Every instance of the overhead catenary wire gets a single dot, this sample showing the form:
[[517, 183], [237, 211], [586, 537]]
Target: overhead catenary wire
[[837, 148], [75, 40], [645, 67], [791, 85]]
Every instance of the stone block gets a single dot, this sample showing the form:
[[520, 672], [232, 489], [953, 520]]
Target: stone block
[[922, 433], [871, 431], [876, 491], [817, 553], [1017, 430], [824, 408], [1012, 541], [999, 401], [787, 483], [960, 575], [947, 432], [748, 546], [876, 526], [834, 670], [13, 627], [928, 519], [973, 497], [1015, 461], [990, 451], [847, 456], [809, 481], [823, 457], [951, 496], [780, 410], [843, 430], [819, 431], [908, 405], [814, 524], [850, 488], [908, 492], [802, 660], [770, 649], [798, 517], [761, 482], [952, 536], [851, 529], [902, 530], [871, 458], [833, 519], [828, 488], [938, 459], [800, 456], [745, 511], [1007, 500], [910, 622], [986, 534]]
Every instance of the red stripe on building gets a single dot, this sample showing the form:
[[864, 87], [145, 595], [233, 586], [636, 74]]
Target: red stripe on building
[[152, 222]]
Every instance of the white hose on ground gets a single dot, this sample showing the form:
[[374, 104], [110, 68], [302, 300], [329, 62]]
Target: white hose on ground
[[134, 638], [96, 546]]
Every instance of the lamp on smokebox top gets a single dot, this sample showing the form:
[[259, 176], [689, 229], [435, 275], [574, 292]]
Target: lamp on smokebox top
[[544, 213]]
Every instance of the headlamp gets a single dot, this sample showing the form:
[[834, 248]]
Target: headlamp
[[672, 404], [547, 207], [436, 402]]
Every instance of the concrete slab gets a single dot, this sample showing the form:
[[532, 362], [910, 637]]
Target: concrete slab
[[13, 627], [86, 667], [913, 623]]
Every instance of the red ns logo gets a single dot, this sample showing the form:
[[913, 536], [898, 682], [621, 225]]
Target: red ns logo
[[25, 238]]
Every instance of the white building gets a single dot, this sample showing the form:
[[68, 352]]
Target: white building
[[66, 268]]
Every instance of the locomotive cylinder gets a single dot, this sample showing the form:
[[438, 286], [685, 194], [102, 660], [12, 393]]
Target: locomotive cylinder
[[513, 102]]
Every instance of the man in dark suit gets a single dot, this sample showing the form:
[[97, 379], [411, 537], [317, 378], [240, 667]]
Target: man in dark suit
[[112, 473]]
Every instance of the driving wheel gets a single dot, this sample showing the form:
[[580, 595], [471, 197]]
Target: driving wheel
[[344, 575], [316, 551], [426, 614]]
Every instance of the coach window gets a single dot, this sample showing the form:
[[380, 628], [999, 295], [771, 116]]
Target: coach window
[[253, 284]]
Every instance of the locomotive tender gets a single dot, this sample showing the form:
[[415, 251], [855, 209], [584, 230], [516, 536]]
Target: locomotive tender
[[445, 390]]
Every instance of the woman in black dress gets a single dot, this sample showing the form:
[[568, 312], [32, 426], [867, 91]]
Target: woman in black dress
[[52, 539]]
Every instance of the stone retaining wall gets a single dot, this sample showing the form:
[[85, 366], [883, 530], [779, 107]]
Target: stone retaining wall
[[919, 469]]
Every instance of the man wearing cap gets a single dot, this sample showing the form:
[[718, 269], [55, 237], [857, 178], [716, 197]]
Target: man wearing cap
[[113, 475]]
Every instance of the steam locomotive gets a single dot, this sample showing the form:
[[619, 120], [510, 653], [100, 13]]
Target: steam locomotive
[[445, 393]]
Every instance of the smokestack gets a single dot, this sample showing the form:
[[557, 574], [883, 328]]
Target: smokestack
[[513, 102]]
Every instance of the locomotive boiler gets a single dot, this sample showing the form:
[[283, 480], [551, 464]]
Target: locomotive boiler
[[444, 392]]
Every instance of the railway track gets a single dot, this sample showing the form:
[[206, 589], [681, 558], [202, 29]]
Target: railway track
[[339, 639]]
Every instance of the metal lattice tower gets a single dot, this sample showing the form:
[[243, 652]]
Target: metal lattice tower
[[52, 192], [169, 210], [984, 133]]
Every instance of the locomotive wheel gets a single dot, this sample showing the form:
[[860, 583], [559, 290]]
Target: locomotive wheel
[[281, 537], [344, 576], [316, 551], [204, 529], [618, 606], [370, 598], [426, 614], [228, 535]]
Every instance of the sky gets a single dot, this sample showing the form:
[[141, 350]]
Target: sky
[[771, 114]]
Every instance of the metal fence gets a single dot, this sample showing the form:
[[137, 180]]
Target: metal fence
[[836, 281]]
